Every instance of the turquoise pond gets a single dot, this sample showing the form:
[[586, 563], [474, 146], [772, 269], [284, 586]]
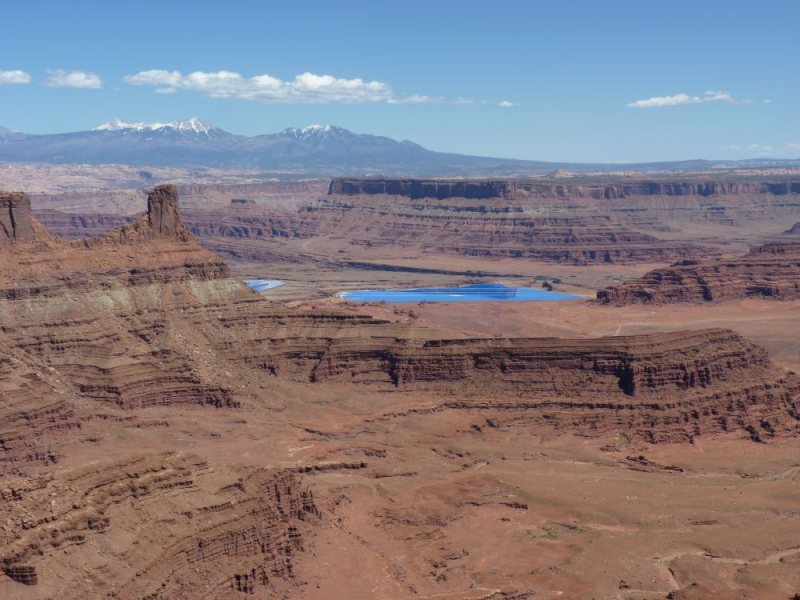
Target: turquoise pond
[[262, 285], [482, 292]]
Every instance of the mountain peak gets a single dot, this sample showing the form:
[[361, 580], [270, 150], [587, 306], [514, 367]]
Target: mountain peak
[[193, 124], [314, 128], [314, 131], [185, 125], [120, 125]]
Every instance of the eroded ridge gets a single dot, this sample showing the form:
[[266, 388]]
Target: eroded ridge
[[88, 321], [178, 528], [768, 271], [661, 387]]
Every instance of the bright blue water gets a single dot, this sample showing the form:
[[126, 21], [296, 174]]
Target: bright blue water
[[482, 292], [262, 285]]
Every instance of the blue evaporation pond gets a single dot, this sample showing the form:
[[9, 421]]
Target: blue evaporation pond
[[482, 292], [262, 285]]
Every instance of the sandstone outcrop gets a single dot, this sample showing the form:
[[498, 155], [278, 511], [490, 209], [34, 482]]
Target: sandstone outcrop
[[662, 387], [155, 437], [91, 342], [794, 229], [768, 271], [243, 535], [16, 224]]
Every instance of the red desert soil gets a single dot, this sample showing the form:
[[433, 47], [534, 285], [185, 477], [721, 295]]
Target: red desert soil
[[169, 433]]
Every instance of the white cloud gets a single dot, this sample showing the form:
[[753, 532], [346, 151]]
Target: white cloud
[[658, 101], [718, 97], [418, 99], [306, 88], [73, 79], [767, 101], [169, 90], [14, 77], [761, 149], [507, 104], [789, 149], [680, 99]]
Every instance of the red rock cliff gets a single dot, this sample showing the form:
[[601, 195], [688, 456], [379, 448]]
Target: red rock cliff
[[16, 222], [768, 271], [418, 188]]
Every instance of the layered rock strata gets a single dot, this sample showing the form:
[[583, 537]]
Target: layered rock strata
[[132, 360], [768, 271], [70, 225], [622, 221], [114, 349], [92, 340], [258, 233], [443, 189], [241, 533], [662, 387]]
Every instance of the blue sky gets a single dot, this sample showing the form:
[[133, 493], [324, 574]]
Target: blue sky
[[712, 79]]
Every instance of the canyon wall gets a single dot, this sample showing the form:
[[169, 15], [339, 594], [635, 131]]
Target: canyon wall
[[73, 226], [131, 361], [767, 271], [621, 222], [159, 417], [512, 190]]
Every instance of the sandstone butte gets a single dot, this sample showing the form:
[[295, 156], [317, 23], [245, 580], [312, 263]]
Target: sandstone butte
[[768, 271], [122, 357]]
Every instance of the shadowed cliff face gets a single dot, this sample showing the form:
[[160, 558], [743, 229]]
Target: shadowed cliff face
[[162, 212], [16, 222], [442, 189], [416, 188]]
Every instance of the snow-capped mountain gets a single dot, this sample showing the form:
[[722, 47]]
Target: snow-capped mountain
[[312, 131], [194, 125], [315, 150]]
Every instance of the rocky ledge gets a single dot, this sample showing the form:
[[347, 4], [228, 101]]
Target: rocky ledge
[[441, 189], [768, 271]]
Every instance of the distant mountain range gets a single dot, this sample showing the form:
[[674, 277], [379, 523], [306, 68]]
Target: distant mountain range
[[316, 150]]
